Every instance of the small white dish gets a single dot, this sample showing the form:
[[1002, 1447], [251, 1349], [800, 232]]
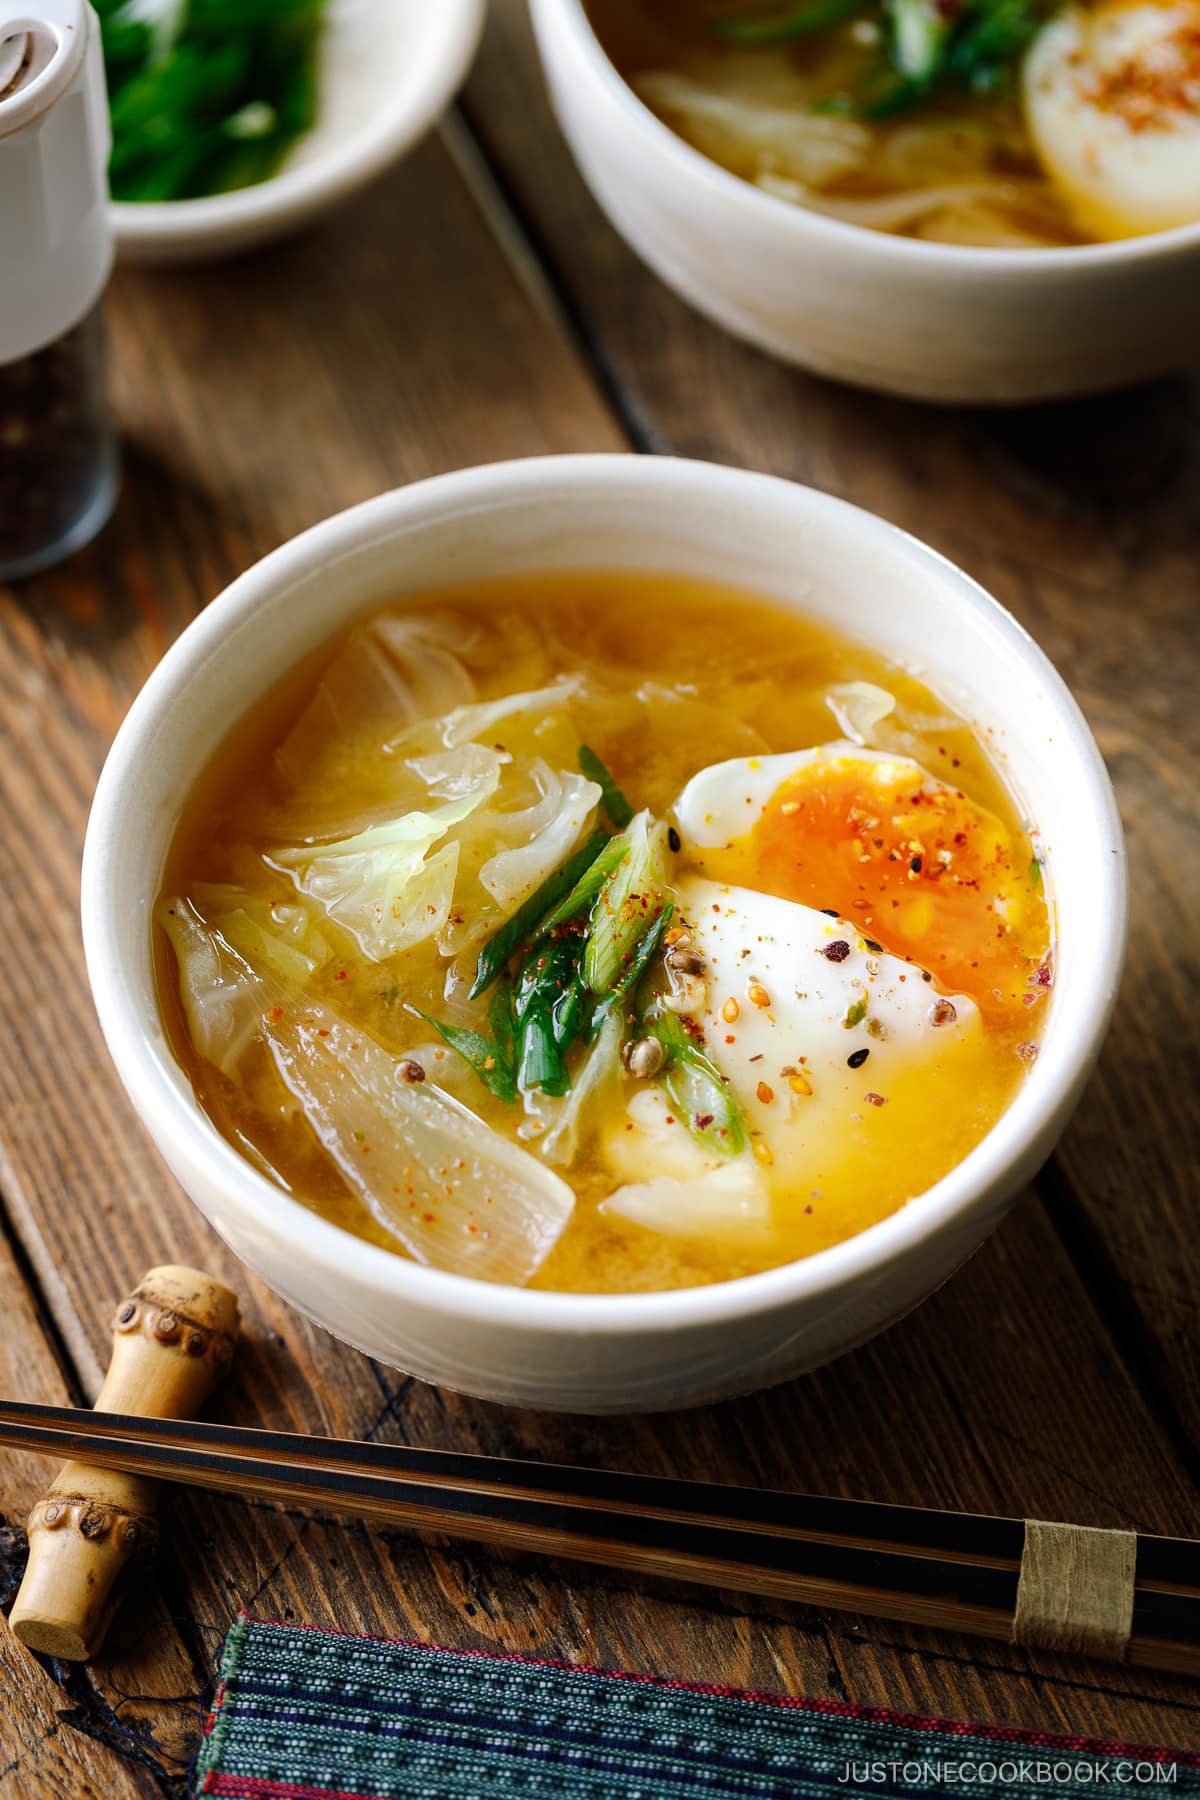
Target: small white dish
[[388, 70], [939, 322], [602, 1352]]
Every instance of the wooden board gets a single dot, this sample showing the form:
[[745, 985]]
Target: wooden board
[[472, 306]]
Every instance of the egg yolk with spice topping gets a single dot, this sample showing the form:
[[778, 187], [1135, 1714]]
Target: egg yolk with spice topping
[[915, 863]]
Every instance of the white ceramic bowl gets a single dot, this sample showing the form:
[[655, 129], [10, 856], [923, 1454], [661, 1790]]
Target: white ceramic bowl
[[605, 1353], [388, 69], [933, 321]]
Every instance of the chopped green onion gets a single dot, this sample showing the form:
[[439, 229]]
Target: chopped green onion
[[612, 853], [566, 1015], [541, 1064], [696, 1086], [920, 29], [631, 898], [504, 1031], [480, 1054], [498, 950], [639, 963], [206, 95], [1035, 873], [614, 802]]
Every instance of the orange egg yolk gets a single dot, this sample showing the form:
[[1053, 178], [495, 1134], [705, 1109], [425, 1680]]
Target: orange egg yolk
[[916, 865]]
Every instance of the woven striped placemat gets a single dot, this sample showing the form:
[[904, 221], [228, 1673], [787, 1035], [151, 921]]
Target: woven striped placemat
[[312, 1715]]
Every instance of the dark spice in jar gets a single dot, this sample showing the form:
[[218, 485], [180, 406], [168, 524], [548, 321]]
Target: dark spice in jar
[[56, 447]]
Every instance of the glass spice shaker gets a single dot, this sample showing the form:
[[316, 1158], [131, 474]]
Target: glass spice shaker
[[58, 457]]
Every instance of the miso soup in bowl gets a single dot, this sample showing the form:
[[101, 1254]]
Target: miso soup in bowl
[[603, 933]]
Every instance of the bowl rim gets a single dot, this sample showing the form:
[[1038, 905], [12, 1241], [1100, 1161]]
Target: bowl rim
[[715, 182], [160, 1092], [338, 171]]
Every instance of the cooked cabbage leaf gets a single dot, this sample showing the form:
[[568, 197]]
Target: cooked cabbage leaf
[[378, 884]]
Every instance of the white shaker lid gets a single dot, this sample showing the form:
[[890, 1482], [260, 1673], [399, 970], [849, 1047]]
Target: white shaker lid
[[54, 144]]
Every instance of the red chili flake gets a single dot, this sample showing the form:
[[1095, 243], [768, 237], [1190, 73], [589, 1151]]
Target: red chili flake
[[276, 1012], [943, 1012], [836, 952], [342, 975], [1027, 1052], [875, 1099], [703, 1121]]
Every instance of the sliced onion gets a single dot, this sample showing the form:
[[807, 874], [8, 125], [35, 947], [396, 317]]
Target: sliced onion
[[451, 1190]]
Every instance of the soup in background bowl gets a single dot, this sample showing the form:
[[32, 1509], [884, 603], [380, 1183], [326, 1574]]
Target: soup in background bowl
[[1000, 123], [731, 768], [808, 196]]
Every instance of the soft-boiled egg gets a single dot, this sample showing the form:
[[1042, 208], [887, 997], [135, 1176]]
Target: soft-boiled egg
[[1112, 101], [918, 867], [825, 1041]]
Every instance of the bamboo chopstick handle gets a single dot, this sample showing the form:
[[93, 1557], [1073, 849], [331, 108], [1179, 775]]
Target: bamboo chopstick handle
[[172, 1340]]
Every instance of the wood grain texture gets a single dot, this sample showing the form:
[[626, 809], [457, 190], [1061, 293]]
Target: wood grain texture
[[1056, 1374]]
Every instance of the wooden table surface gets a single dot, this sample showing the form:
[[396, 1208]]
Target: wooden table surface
[[475, 306]]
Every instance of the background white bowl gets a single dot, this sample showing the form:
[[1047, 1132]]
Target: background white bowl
[[388, 69], [606, 1353], [932, 321]]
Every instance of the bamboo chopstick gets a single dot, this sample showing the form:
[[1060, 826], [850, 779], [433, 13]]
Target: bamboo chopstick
[[956, 1571]]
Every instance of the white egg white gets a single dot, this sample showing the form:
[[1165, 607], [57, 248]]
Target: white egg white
[[781, 1019], [1112, 102]]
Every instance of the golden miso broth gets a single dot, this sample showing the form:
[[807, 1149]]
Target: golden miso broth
[[664, 680], [1001, 123]]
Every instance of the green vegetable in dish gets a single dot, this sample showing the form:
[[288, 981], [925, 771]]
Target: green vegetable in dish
[[613, 800], [697, 1088], [926, 46], [206, 95]]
